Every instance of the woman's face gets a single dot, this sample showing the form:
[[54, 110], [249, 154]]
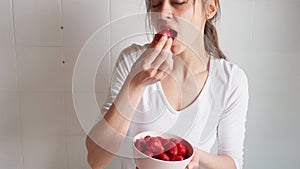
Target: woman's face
[[186, 17]]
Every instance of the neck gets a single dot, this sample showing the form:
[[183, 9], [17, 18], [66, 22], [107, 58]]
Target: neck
[[192, 61]]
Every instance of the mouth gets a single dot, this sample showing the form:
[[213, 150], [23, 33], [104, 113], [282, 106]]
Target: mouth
[[171, 33]]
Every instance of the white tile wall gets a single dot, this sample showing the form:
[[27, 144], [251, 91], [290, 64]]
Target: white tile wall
[[82, 18], [6, 30], [128, 26], [46, 152], [121, 9], [102, 81], [235, 29], [272, 71], [8, 73], [10, 134], [89, 62], [87, 111], [74, 127], [40, 69], [38, 22], [10, 152], [123, 34], [43, 114], [43, 130], [10, 117], [77, 153], [275, 26], [7, 57], [90, 15], [70, 55]]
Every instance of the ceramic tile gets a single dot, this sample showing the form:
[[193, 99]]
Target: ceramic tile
[[38, 22], [40, 69], [43, 114]]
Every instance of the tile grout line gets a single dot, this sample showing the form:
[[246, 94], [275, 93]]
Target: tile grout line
[[17, 82], [253, 23], [109, 42], [63, 59]]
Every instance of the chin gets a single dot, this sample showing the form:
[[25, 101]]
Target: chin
[[177, 48]]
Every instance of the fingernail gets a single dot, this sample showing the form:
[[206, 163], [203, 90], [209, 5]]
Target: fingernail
[[165, 37]]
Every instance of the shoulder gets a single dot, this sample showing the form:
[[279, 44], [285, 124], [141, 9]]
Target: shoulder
[[230, 73], [132, 52], [133, 48], [129, 55], [234, 83]]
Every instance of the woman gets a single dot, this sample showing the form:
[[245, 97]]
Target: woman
[[191, 75]]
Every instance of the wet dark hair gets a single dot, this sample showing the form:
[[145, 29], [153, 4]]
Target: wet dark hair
[[211, 41]]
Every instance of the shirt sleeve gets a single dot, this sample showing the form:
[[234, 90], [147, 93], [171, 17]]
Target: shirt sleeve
[[231, 128], [121, 70]]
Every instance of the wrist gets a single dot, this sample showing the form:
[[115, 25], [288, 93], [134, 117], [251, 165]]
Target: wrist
[[134, 86]]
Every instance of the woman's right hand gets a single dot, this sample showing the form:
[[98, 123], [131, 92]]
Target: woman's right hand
[[154, 64]]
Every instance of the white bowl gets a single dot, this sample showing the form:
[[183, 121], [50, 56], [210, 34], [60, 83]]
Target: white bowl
[[143, 161]]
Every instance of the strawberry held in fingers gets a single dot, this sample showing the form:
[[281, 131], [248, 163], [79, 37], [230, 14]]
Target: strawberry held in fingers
[[169, 32]]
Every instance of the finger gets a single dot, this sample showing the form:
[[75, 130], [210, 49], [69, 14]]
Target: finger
[[165, 52], [156, 42], [168, 45], [163, 56], [192, 165], [160, 76], [153, 51], [165, 67]]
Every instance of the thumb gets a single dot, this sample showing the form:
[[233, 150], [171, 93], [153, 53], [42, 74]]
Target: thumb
[[192, 165]]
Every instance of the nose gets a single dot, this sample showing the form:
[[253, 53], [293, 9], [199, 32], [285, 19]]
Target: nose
[[166, 10]]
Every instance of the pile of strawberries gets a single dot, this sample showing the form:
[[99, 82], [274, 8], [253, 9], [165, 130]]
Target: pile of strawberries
[[161, 148]]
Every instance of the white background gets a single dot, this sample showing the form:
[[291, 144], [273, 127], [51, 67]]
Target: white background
[[39, 128]]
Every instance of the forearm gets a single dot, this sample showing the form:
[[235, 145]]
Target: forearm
[[108, 134], [212, 161]]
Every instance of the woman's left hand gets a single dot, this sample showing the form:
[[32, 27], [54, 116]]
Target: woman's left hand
[[194, 164]]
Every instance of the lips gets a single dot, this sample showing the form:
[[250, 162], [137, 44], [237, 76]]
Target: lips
[[171, 33]]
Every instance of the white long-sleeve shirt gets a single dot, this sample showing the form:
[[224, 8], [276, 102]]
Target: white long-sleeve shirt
[[218, 113]]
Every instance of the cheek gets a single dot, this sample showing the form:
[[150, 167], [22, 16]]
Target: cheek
[[154, 20]]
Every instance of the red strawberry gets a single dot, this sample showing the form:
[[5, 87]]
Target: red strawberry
[[169, 32], [171, 148], [173, 151], [169, 145], [148, 153], [155, 146], [182, 150], [147, 138], [160, 149], [162, 156], [162, 140], [140, 144], [177, 158], [175, 140]]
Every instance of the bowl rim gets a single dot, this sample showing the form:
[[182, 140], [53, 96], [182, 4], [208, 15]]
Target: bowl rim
[[160, 132]]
